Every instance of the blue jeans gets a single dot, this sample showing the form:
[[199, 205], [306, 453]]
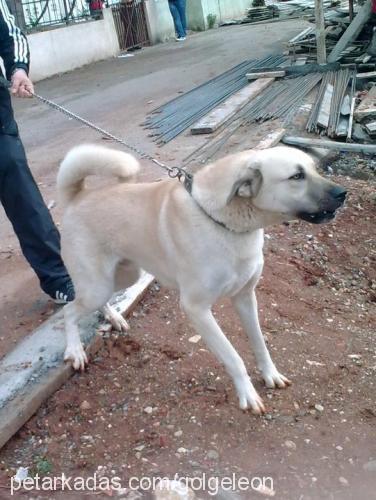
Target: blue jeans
[[177, 9]]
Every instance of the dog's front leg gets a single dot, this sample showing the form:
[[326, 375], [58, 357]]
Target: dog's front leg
[[74, 351], [117, 321], [245, 303], [205, 324]]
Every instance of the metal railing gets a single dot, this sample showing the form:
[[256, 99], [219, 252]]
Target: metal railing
[[37, 15]]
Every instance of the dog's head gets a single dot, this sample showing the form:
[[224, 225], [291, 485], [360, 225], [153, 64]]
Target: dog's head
[[265, 187]]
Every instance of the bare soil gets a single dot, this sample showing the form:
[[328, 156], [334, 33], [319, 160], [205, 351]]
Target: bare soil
[[154, 403]]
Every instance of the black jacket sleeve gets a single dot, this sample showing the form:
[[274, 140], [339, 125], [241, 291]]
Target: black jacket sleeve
[[14, 49]]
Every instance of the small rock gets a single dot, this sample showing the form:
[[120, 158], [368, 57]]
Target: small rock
[[182, 450], [290, 445], [173, 490], [178, 433], [85, 405], [370, 466], [148, 410], [343, 481], [319, 408], [212, 455], [194, 339]]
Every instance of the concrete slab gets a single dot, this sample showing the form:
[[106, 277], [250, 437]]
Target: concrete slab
[[35, 368]]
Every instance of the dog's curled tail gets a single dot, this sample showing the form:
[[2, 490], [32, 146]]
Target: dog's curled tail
[[88, 159]]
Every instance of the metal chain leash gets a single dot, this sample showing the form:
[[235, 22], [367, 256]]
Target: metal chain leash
[[173, 172]]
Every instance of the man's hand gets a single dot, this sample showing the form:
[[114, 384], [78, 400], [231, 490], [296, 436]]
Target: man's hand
[[22, 86]]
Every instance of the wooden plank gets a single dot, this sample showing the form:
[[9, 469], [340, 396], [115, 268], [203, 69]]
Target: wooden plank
[[306, 142], [266, 74], [367, 108], [371, 128], [369, 74], [42, 381], [271, 139], [351, 119], [324, 113], [352, 31], [320, 32], [213, 120]]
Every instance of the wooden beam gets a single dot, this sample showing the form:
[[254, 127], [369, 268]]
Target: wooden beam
[[367, 108], [320, 32], [351, 119], [272, 139], [266, 74], [213, 120], [306, 142], [352, 31], [371, 128], [43, 376]]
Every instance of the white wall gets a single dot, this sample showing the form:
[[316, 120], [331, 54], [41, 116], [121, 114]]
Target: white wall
[[159, 20], [198, 10], [64, 49]]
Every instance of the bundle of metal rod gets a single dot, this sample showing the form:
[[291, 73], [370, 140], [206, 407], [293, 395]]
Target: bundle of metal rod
[[312, 125], [340, 86], [172, 118], [282, 99], [326, 111]]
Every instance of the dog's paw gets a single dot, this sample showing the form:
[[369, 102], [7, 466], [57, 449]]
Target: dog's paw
[[117, 321], [76, 354], [248, 397], [273, 379]]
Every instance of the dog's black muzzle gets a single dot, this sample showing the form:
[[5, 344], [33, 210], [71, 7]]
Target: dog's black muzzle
[[334, 199]]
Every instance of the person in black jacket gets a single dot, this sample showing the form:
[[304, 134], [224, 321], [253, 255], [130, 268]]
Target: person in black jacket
[[31, 220]]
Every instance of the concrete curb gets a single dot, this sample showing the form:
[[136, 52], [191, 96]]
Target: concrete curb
[[35, 369]]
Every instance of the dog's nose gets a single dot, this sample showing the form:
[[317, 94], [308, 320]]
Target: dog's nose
[[339, 193]]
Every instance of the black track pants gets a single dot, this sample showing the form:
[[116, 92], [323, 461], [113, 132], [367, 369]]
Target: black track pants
[[30, 218]]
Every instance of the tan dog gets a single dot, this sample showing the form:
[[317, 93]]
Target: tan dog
[[206, 243]]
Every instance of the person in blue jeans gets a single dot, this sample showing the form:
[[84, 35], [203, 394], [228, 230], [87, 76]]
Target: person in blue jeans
[[177, 9]]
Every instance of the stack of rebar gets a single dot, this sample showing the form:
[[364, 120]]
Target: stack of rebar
[[171, 119], [282, 99], [326, 111]]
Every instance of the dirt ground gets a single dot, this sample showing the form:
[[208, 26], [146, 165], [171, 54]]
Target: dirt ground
[[157, 403]]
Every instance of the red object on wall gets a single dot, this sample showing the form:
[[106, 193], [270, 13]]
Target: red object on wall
[[374, 6]]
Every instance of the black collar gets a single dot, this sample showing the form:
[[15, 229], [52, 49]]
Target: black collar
[[188, 183]]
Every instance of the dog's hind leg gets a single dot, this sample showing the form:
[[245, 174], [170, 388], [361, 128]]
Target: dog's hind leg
[[245, 303], [205, 324]]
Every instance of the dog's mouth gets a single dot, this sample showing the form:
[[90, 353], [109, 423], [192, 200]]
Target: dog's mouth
[[317, 217]]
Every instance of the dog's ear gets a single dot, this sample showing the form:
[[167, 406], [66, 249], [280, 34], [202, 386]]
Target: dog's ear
[[247, 187]]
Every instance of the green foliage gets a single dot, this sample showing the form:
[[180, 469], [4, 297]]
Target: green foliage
[[43, 466], [211, 18]]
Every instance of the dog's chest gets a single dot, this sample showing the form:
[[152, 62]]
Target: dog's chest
[[240, 262]]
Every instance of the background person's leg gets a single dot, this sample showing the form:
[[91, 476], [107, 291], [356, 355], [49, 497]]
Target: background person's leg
[[29, 216], [180, 5], [180, 31]]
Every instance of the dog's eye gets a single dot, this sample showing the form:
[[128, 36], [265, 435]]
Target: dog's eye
[[297, 177]]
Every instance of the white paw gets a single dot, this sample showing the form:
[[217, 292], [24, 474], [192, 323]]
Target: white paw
[[248, 397], [76, 354], [273, 379], [117, 321]]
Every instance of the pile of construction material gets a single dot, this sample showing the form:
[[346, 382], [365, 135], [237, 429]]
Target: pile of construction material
[[348, 42]]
